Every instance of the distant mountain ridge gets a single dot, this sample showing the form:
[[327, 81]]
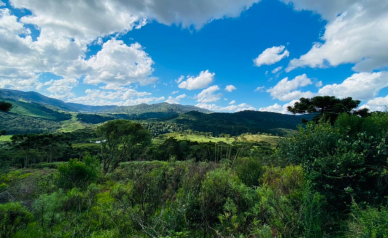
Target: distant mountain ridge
[[75, 107]]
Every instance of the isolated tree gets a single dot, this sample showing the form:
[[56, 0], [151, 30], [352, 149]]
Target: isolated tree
[[119, 140], [328, 107], [5, 106]]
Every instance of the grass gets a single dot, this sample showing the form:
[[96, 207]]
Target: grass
[[273, 140], [5, 138], [71, 125], [31, 110]]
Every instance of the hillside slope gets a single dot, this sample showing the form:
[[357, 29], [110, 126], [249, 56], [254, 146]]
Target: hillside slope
[[228, 123], [75, 107]]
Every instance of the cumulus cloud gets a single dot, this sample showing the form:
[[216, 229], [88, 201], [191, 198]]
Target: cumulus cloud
[[61, 88], [88, 19], [377, 104], [67, 28], [278, 108], [285, 90], [113, 95], [232, 102], [231, 108], [318, 84], [117, 63], [175, 100], [201, 81], [356, 33], [230, 88], [174, 92], [362, 86], [271, 56], [209, 95]]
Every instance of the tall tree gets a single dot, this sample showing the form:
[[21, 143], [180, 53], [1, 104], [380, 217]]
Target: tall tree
[[328, 107], [5, 106], [119, 140]]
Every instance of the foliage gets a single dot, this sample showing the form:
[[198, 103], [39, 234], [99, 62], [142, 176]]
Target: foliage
[[78, 174], [119, 139], [5, 106], [348, 160], [93, 118], [369, 222], [328, 106], [12, 218]]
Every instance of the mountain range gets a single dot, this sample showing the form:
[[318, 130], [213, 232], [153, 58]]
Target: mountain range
[[35, 113], [75, 107]]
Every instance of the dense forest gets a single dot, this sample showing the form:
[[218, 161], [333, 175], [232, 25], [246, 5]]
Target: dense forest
[[117, 179]]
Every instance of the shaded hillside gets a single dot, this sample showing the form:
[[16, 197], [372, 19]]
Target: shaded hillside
[[37, 110], [229, 123], [34, 97], [19, 124]]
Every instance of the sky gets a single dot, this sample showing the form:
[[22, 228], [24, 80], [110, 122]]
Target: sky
[[222, 55]]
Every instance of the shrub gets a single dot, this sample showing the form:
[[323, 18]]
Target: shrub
[[78, 174], [249, 170], [12, 218], [368, 223]]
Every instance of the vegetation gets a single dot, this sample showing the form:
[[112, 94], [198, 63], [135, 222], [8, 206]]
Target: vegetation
[[5, 106], [328, 107], [328, 179]]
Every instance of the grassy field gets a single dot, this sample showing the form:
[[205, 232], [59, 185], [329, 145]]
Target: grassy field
[[200, 138], [5, 138], [71, 125]]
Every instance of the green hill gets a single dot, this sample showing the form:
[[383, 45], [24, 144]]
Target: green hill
[[158, 107], [36, 110], [228, 123], [35, 97]]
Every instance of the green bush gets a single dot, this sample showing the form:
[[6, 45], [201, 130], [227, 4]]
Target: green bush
[[78, 174], [12, 218], [343, 161], [249, 170], [368, 223]]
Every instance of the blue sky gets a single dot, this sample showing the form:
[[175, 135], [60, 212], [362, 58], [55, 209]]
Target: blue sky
[[223, 55]]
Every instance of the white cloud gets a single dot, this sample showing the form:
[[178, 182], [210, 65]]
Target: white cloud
[[259, 89], [2, 4], [231, 108], [138, 101], [277, 69], [377, 104], [278, 108], [230, 88], [232, 102], [318, 84], [87, 19], [175, 92], [271, 56], [67, 28], [61, 88], [208, 95], [119, 64], [201, 81], [285, 90], [175, 100], [361, 86], [113, 95], [356, 33], [180, 79]]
